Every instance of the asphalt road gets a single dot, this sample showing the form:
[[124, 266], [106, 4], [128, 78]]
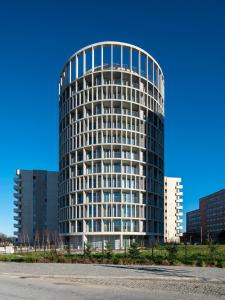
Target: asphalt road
[[77, 281]]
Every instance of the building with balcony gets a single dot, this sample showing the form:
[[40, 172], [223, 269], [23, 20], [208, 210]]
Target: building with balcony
[[173, 209], [35, 204], [111, 156], [208, 222]]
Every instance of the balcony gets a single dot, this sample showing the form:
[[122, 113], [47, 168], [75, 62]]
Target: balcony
[[16, 233], [17, 188], [17, 180], [17, 195], [179, 207], [179, 221], [179, 214], [17, 210], [16, 218], [179, 234], [17, 225], [16, 202], [179, 227], [179, 194], [179, 187], [179, 200]]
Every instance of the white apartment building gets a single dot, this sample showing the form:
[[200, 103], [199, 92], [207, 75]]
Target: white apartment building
[[173, 209], [111, 154]]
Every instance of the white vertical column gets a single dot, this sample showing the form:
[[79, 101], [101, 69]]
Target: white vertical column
[[111, 50], [84, 62], [139, 63], [102, 57], [76, 66], [92, 59], [70, 75]]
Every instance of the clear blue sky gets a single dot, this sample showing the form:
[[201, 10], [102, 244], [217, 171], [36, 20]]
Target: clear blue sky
[[187, 38]]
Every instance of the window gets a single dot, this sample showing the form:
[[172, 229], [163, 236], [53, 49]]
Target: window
[[126, 197], [123, 211], [97, 168], [107, 168], [117, 153], [79, 171], [107, 225], [126, 168], [89, 154], [107, 196], [90, 211], [128, 211], [96, 196], [117, 225], [79, 198], [97, 153], [117, 168], [89, 197], [97, 225], [116, 197], [89, 226], [107, 153]]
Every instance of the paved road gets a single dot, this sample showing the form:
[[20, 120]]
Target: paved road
[[77, 281]]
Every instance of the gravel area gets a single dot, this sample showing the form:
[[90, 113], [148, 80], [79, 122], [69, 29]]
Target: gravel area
[[125, 282]]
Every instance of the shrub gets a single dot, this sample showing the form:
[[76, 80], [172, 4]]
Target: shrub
[[200, 263], [172, 252], [220, 263], [158, 260], [87, 250], [108, 251], [212, 253], [116, 260], [134, 251]]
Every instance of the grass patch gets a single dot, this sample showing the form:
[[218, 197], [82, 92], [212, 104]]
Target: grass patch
[[199, 255]]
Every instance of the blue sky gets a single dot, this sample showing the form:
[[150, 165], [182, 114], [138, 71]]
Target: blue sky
[[187, 38]]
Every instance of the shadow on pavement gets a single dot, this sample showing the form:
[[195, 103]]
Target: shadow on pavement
[[154, 270]]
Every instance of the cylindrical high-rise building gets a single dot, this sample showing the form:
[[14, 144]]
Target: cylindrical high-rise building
[[111, 115]]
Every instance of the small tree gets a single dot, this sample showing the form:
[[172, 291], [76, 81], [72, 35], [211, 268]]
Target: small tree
[[134, 251], [172, 251], [108, 250], [36, 240], [213, 252], [87, 249]]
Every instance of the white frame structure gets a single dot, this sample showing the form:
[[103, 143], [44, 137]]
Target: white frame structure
[[111, 115]]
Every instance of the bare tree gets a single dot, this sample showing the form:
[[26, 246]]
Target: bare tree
[[36, 240], [47, 238], [28, 242]]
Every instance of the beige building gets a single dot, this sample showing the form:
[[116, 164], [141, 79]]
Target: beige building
[[173, 209]]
